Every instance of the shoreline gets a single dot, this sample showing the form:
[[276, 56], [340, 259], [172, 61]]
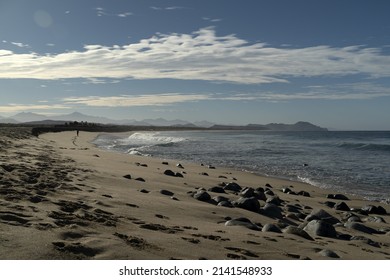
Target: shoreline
[[89, 203], [318, 184]]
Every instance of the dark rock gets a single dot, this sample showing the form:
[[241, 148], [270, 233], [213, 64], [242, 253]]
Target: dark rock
[[178, 174], [322, 215], [219, 199], [293, 208], [128, 176], [330, 204], [375, 219], [259, 189], [179, 166], [271, 210], [210, 167], [320, 228], [202, 196], [204, 174], [342, 206], [304, 193], [247, 192], [271, 228], [169, 172], [269, 192], [337, 196], [365, 240], [243, 222], [225, 203], [251, 204], [372, 209], [286, 190], [360, 227], [268, 186], [260, 195], [297, 231], [328, 253], [166, 192], [353, 218], [165, 163], [344, 236], [233, 187], [140, 179], [274, 200], [143, 191], [217, 189]]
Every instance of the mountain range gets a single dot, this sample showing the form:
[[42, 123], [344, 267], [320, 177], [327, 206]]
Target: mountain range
[[39, 119]]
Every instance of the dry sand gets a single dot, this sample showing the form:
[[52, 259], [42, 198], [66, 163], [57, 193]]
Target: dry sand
[[62, 198]]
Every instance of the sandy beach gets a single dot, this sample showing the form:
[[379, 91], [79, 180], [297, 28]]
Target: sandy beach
[[63, 198]]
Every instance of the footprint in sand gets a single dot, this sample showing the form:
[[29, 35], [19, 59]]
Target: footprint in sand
[[133, 241], [15, 219], [76, 248], [162, 228], [245, 252], [191, 240]]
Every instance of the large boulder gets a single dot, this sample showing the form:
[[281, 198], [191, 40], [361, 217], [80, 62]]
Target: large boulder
[[271, 210], [297, 231], [360, 227], [342, 206], [217, 189], [232, 187], [251, 203], [169, 172], [271, 228], [320, 228], [202, 196], [372, 209], [320, 214]]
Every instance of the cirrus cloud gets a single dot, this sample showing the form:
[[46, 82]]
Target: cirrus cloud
[[135, 100], [201, 55]]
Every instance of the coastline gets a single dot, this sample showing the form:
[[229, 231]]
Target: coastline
[[96, 213]]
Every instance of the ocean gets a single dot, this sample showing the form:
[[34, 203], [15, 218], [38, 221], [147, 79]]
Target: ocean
[[355, 163]]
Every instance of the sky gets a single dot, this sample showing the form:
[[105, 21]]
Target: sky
[[224, 61]]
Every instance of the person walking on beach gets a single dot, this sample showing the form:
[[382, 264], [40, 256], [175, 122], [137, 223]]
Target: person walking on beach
[[77, 132]]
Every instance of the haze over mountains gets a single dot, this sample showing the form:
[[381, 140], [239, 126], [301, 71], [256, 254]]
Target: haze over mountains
[[39, 119]]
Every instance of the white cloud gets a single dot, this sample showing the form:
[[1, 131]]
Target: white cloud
[[20, 45], [167, 8], [134, 100], [13, 108], [201, 55], [102, 12], [212, 19]]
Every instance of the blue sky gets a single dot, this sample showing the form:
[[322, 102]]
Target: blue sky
[[226, 61]]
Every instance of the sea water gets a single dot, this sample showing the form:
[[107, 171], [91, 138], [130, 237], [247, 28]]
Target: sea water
[[356, 163]]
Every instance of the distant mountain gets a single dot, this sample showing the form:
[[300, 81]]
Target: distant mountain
[[8, 120], [32, 118], [204, 124], [76, 116], [38, 119], [299, 126], [164, 122], [28, 117]]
